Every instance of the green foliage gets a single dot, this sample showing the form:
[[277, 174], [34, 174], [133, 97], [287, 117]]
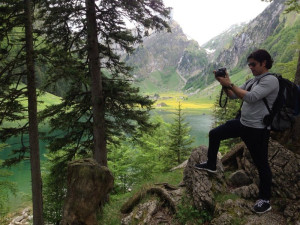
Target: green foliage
[[281, 44], [179, 140], [139, 157], [194, 56], [288, 69], [13, 72], [188, 214], [238, 221], [6, 188], [148, 154], [293, 6], [54, 186], [120, 158], [132, 160]]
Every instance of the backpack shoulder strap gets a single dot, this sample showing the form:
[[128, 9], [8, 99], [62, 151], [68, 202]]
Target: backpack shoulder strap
[[264, 99], [267, 105]]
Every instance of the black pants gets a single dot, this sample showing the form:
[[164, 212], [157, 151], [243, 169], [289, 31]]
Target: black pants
[[256, 141]]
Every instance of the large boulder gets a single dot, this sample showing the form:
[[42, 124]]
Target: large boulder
[[201, 185], [88, 186]]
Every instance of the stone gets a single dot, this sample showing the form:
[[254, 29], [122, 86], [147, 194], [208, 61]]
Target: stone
[[231, 211], [18, 219], [247, 192], [202, 185], [292, 211], [266, 219], [88, 185], [239, 178]]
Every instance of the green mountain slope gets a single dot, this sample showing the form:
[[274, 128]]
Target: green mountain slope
[[165, 60]]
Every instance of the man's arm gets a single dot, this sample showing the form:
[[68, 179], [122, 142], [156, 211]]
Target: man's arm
[[235, 90], [230, 89]]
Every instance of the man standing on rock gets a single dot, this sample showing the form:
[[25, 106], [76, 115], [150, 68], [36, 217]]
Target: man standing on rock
[[249, 126]]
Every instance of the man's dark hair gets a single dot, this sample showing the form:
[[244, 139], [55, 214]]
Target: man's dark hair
[[261, 55]]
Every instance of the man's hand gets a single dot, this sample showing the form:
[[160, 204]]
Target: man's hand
[[230, 90]]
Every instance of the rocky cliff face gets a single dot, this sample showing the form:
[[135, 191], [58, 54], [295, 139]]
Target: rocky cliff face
[[223, 41], [161, 51], [254, 34]]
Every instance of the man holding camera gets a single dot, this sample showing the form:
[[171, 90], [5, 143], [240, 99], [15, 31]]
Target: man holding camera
[[249, 127]]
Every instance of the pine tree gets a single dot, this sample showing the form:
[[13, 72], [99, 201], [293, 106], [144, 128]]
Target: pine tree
[[180, 139], [67, 30], [17, 65]]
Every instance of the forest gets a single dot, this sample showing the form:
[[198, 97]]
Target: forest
[[71, 49]]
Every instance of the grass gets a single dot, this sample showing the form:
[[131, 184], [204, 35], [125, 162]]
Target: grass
[[221, 198], [111, 212], [169, 101], [201, 101], [47, 99], [43, 100], [161, 81], [188, 214]]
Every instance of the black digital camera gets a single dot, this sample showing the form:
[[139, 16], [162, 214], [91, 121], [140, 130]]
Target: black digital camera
[[220, 72]]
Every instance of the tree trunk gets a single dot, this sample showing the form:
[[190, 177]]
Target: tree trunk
[[297, 75], [100, 152], [296, 128], [36, 179]]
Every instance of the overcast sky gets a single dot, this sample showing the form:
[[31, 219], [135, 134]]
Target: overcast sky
[[202, 20]]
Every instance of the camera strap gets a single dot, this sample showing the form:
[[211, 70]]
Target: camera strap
[[220, 99]]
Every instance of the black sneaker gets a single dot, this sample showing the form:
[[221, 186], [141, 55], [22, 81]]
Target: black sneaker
[[204, 166], [262, 206]]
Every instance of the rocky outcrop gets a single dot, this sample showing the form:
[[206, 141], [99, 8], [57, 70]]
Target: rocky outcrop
[[229, 199], [87, 188], [285, 166], [25, 217], [201, 185]]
